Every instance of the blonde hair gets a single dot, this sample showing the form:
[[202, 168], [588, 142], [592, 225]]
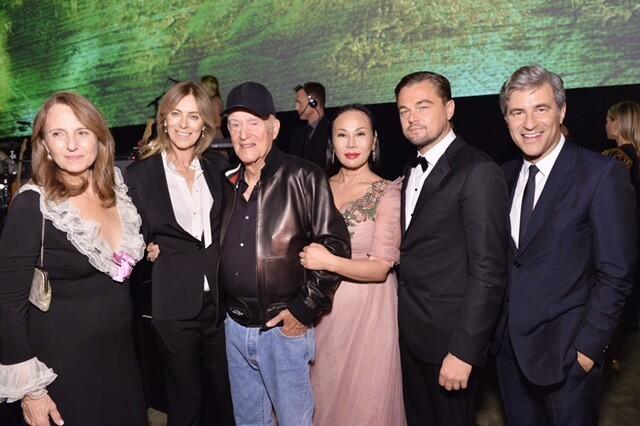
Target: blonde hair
[[211, 85], [167, 104], [46, 172], [627, 115]]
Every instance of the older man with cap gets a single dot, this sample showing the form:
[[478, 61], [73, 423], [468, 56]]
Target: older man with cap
[[273, 205]]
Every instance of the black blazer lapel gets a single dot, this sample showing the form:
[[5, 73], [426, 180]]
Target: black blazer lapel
[[159, 191], [558, 182], [213, 183]]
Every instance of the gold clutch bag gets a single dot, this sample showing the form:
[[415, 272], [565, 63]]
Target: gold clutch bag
[[40, 294]]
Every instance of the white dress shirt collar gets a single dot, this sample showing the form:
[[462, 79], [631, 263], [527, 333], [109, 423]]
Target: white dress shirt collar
[[546, 164], [434, 154]]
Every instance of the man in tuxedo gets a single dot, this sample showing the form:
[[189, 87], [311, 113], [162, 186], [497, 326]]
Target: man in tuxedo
[[452, 256], [570, 262], [311, 140]]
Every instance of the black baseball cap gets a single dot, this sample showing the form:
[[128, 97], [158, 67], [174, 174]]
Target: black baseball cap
[[251, 97]]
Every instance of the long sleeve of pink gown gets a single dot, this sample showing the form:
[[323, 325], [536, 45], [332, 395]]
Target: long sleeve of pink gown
[[387, 232]]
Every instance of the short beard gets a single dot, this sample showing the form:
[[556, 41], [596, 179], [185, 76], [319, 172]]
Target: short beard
[[422, 143]]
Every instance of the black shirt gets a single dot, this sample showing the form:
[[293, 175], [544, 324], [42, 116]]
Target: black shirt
[[238, 274]]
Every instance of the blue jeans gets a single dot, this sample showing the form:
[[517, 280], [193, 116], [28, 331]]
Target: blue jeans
[[269, 372]]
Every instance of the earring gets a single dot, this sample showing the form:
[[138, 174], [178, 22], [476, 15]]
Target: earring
[[165, 127], [202, 135], [374, 155], [46, 148], [333, 156]]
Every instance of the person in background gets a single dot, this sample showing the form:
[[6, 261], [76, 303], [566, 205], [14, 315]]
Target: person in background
[[623, 127], [177, 189], [311, 140], [74, 363], [211, 85], [360, 334]]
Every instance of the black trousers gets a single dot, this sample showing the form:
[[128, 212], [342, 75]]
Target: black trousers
[[194, 357], [428, 403], [574, 401]]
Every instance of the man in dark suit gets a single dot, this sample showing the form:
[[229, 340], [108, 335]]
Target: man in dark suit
[[311, 140], [571, 260], [452, 257]]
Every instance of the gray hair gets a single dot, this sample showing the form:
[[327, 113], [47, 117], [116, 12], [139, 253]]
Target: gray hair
[[532, 76]]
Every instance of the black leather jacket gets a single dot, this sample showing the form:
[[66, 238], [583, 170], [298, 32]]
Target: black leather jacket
[[295, 208]]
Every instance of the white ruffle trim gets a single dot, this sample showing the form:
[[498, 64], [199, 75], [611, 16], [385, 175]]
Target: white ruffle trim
[[17, 380], [85, 234]]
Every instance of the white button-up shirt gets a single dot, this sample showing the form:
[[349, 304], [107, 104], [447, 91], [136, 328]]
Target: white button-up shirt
[[544, 166], [191, 208]]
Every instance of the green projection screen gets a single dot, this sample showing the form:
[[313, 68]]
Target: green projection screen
[[120, 54]]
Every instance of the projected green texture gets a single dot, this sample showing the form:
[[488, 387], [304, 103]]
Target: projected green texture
[[120, 54]]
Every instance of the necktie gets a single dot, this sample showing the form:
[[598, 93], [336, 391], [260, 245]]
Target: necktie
[[421, 161], [527, 202]]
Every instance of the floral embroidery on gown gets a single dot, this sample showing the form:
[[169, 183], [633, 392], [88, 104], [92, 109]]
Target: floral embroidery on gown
[[356, 375]]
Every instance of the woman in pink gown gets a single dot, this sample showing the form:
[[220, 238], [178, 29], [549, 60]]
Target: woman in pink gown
[[356, 375]]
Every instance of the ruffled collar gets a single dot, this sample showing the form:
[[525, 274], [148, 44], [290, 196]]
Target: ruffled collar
[[84, 234]]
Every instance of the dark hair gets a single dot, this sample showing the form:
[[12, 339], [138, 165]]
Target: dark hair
[[315, 90], [375, 165], [442, 85]]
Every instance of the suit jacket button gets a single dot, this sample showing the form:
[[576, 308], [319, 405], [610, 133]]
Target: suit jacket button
[[199, 245]]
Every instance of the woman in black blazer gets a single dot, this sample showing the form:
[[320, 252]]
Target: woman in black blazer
[[176, 188]]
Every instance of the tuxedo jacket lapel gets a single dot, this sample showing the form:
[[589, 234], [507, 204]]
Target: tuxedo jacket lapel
[[403, 197], [559, 180], [432, 182], [440, 170]]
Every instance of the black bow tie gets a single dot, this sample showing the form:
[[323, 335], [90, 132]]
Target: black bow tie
[[419, 161]]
